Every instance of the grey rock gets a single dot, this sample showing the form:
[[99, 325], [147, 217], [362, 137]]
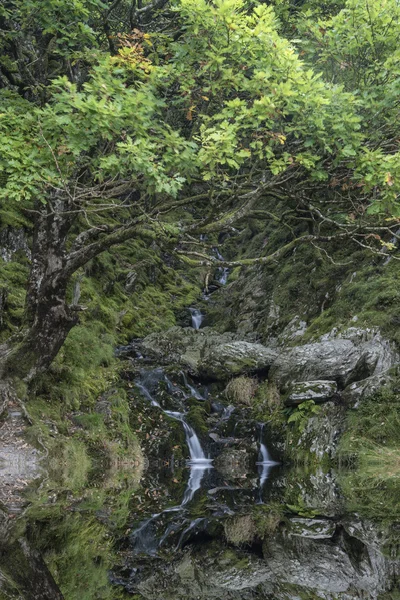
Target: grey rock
[[316, 564], [293, 330], [207, 352], [322, 431], [183, 345], [316, 529], [366, 388], [11, 241], [347, 357], [236, 358], [319, 391]]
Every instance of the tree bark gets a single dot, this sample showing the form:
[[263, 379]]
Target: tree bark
[[26, 569], [49, 319]]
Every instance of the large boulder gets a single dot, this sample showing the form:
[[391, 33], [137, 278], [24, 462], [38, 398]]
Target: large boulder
[[315, 529], [208, 353], [183, 345], [236, 358], [347, 357]]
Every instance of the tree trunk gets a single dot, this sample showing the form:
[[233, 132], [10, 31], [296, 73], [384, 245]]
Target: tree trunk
[[49, 319], [53, 321], [24, 567]]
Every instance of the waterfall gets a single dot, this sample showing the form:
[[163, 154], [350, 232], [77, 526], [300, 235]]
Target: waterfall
[[195, 393], [196, 452], [266, 463], [223, 272], [197, 317], [144, 537]]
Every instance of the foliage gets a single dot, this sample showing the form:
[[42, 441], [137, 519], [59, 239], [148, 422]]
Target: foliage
[[371, 446], [227, 116], [299, 417]]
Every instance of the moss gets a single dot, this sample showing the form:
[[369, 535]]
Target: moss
[[267, 518], [371, 446], [196, 417], [13, 278], [376, 422], [268, 406]]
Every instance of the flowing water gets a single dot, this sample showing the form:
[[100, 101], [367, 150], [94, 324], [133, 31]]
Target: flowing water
[[197, 317], [222, 272]]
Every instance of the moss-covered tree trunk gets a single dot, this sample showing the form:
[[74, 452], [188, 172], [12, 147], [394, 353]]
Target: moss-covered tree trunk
[[26, 570], [48, 317]]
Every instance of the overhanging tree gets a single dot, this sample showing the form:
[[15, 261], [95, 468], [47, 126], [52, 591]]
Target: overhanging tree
[[218, 115]]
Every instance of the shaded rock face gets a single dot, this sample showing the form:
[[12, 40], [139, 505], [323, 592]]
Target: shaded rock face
[[366, 388], [351, 356], [11, 241], [322, 431]]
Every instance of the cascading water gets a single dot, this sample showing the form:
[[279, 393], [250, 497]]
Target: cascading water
[[265, 461], [197, 317], [195, 393], [144, 537], [223, 272]]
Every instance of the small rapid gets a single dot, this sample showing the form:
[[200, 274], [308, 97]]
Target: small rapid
[[197, 456], [265, 463], [222, 272], [197, 317], [144, 538]]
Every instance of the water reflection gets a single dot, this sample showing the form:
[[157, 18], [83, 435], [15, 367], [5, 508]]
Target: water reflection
[[301, 542]]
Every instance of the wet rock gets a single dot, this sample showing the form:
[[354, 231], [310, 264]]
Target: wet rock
[[347, 357], [316, 529], [227, 441], [236, 358], [234, 464], [217, 408], [319, 391]]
